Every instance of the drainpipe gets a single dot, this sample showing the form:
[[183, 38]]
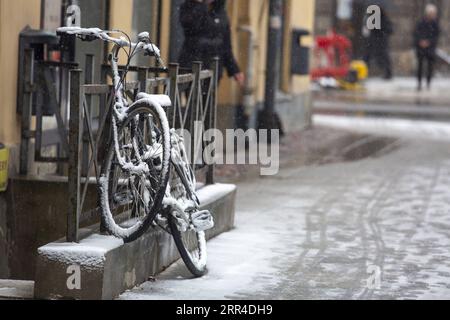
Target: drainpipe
[[267, 118], [248, 100]]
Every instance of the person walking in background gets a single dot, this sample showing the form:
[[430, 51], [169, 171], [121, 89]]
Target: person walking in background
[[377, 45], [207, 36], [426, 38]]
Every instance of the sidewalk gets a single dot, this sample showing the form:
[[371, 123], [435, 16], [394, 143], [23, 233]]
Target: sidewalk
[[318, 232], [315, 146], [401, 90], [16, 290]]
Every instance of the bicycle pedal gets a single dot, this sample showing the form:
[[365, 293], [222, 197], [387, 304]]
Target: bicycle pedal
[[202, 221]]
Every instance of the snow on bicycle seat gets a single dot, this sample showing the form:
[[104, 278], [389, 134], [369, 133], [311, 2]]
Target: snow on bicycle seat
[[159, 99]]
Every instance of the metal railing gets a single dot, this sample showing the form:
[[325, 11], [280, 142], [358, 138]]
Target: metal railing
[[194, 99], [39, 88], [82, 111]]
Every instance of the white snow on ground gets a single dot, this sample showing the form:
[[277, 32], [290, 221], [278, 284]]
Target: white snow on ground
[[211, 193], [405, 88], [312, 232], [408, 84], [400, 128], [233, 258], [89, 253]]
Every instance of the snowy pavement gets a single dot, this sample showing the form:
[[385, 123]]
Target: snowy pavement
[[325, 232], [14, 289], [399, 90], [398, 128]]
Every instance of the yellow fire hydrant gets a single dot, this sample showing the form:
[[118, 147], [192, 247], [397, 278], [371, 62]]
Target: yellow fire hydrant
[[4, 156]]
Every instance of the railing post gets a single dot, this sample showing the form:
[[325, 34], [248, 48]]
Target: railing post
[[142, 78], [88, 79], [104, 113], [26, 110], [75, 141], [194, 108], [39, 70], [174, 70], [211, 117], [103, 98]]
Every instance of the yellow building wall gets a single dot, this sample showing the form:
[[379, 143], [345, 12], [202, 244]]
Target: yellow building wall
[[11, 23], [254, 13], [121, 14], [164, 44], [14, 16]]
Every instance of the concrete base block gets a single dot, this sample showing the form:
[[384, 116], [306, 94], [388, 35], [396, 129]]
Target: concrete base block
[[103, 267]]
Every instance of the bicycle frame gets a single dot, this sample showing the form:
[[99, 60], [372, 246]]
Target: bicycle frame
[[121, 105], [121, 101], [144, 45]]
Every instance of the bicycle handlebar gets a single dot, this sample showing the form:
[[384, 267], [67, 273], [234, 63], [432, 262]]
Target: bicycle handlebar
[[91, 34]]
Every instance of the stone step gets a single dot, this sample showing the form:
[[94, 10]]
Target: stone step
[[103, 267]]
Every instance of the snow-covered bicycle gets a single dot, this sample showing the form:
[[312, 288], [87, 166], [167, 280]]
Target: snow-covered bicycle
[[146, 179]]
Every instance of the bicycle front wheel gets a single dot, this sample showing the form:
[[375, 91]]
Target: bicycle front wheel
[[135, 172], [192, 247]]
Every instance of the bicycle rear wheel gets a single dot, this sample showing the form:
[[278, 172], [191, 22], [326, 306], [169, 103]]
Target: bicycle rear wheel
[[135, 173]]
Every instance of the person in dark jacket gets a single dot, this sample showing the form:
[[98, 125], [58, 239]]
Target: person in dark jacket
[[426, 38], [377, 45], [207, 36]]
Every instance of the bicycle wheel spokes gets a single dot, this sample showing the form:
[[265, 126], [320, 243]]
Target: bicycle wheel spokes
[[190, 243], [192, 247], [137, 182], [130, 188], [191, 240]]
